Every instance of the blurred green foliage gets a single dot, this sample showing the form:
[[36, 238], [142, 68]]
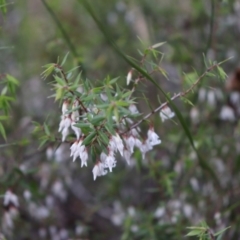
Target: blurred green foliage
[[154, 199]]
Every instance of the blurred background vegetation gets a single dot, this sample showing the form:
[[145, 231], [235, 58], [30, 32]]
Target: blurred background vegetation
[[153, 199]]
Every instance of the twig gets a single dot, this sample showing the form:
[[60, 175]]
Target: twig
[[66, 80], [181, 94], [65, 35]]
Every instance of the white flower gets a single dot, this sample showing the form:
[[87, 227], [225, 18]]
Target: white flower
[[73, 148], [153, 138], [145, 147], [76, 130], [117, 143], [129, 77], [110, 162], [103, 157], [133, 109], [166, 113], [64, 127], [84, 157], [160, 211], [104, 97], [99, 170], [10, 198], [211, 98], [130, 142], [135, 131], [234, 97], [227, 114], [202, 94], [65, 133], [138, 143], [195, 115]]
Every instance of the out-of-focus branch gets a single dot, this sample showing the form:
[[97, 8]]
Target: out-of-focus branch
[[181, 94], [65, 35]]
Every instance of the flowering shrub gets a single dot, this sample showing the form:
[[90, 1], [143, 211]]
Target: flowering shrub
[[180, 165], [99, 121]]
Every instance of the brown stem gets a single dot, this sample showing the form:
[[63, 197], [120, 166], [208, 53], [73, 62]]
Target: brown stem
[[181, 94]]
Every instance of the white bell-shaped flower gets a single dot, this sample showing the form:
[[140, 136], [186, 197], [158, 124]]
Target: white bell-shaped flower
[[166, 113]]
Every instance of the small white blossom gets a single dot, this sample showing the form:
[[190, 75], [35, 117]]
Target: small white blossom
[[129, 77], [103, 157], [138, 143], [202, 94], [153, 138], [76, 130], [135, 131], [73, 148], [166, 113], [227, 114], [211, 98], [234, 97], [117, 144], [59, 190], [65, 133], [111, 162], [130, 142], [195, 115], [84, 157], [64, 127], [7, 222], [10, 199], [133, 109], [104, 97], [99, 170], [145, 147], [160, 211]]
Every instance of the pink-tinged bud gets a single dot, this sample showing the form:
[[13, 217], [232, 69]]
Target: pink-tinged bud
[[129, 76], [153, 138], [65, 106]]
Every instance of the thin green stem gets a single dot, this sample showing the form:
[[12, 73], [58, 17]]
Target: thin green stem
[[65, 35]]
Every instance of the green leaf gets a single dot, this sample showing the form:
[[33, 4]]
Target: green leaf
[[46, 129], [2, 131], [104, 137], [3, 6], [59, 80], [158, 45], [43, 142], [64, 59], [49, 69], [82, 125], [221, 231], [89, 138], [221, 72], [195, 232], [190, 78], [12, 79], [96, 120]]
